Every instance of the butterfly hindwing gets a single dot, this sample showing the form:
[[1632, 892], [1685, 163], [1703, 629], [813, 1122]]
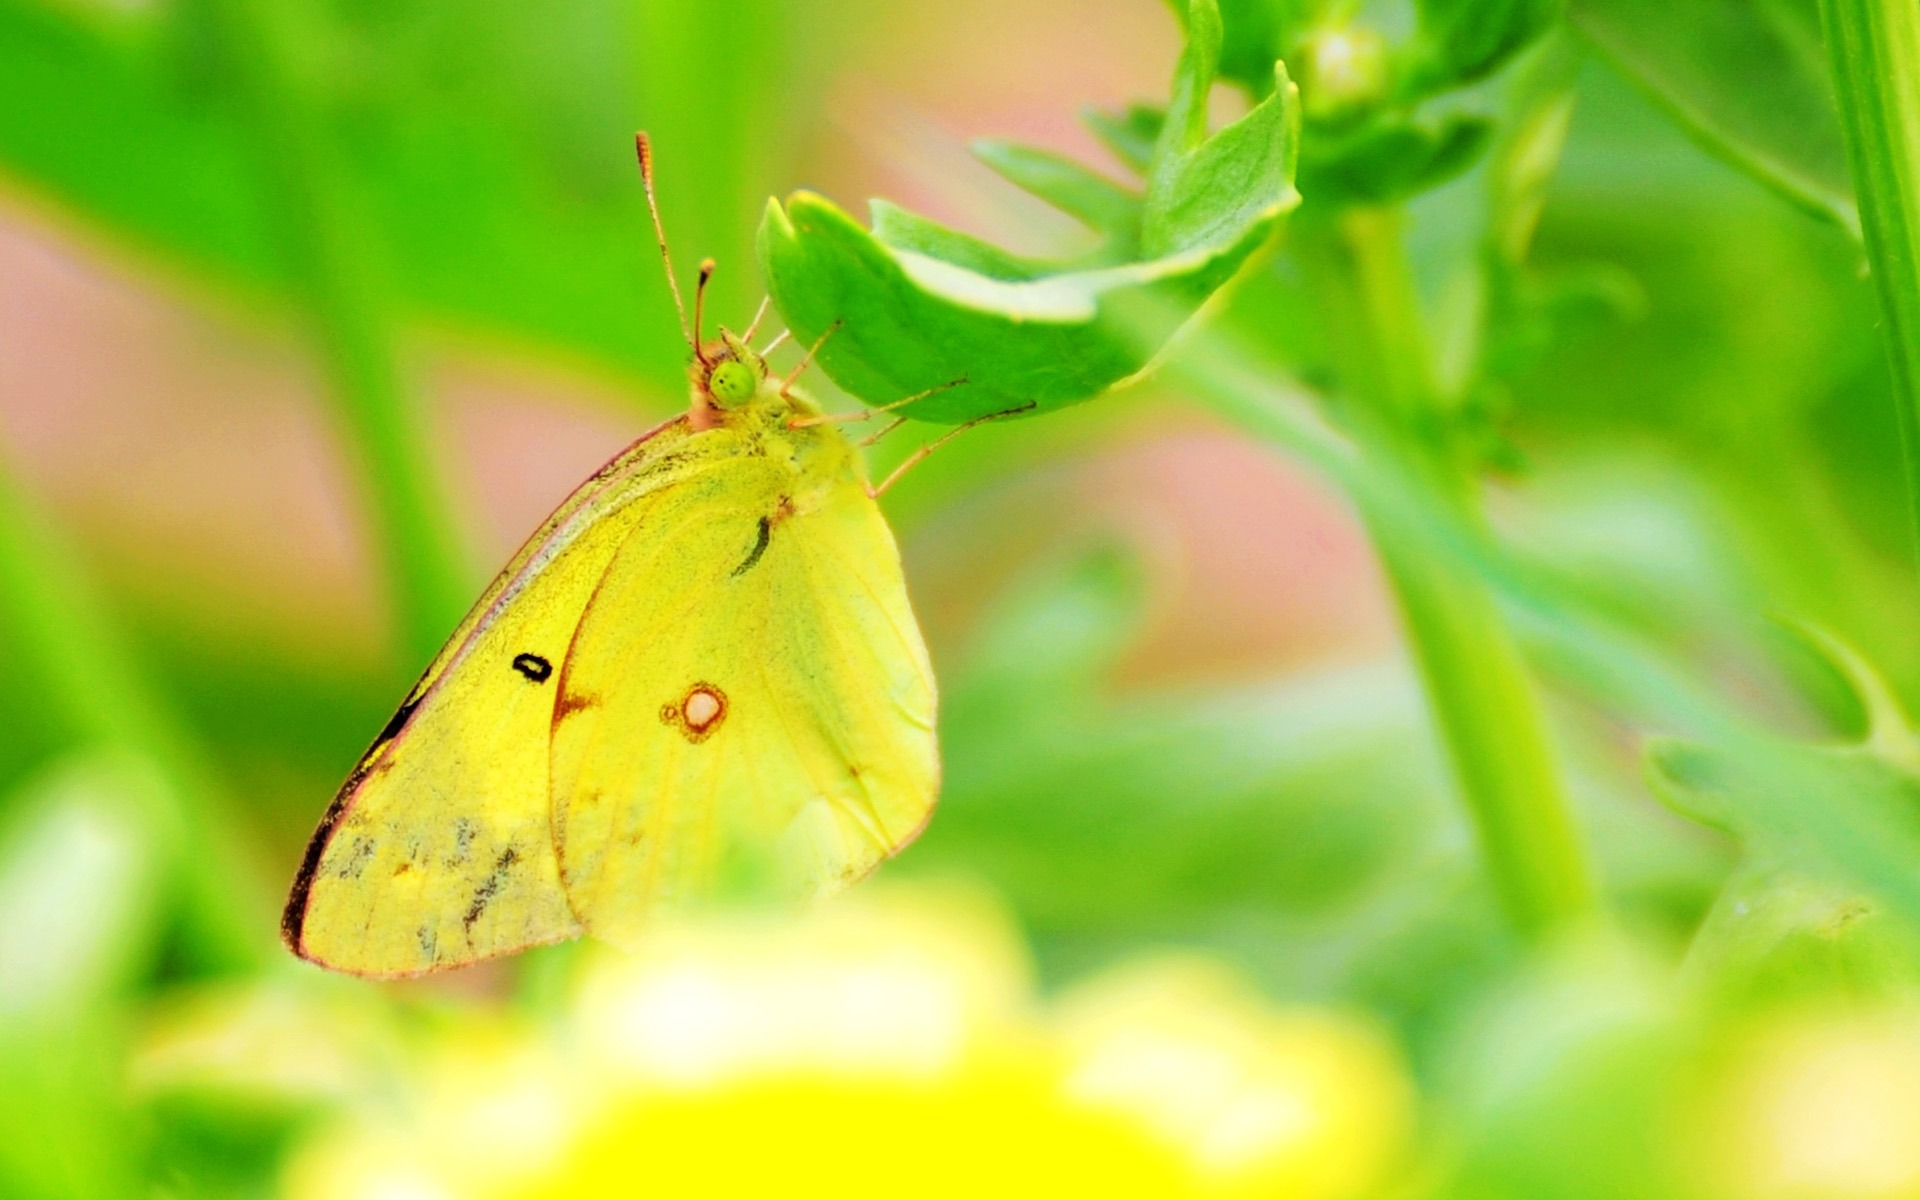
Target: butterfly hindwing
[[769, 703]]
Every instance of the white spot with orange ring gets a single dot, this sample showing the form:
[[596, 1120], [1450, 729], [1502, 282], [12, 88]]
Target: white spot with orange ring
[[700, 708]]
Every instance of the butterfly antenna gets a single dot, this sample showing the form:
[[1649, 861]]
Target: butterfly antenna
[[700, 299], [644, 150]]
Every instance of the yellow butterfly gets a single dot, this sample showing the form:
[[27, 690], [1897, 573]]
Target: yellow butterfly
[[705, 658]]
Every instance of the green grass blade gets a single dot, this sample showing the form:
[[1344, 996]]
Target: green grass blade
[[328, 252], [1875, 48]]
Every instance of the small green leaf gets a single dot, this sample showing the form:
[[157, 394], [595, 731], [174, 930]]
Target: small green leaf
[[1098, 202], [1129, 134], [909, 232], [1391, 159], [1462, 41], [1185, 126], [1776, 934], [1253, 33], [1256, 32], [1693, 780], [1846, 813], [916, 306], [1202, 191]]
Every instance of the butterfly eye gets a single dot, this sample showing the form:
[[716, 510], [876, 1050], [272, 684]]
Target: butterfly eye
[[732, 382]]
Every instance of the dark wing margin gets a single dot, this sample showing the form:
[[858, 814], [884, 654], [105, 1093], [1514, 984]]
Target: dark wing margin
[[293, 918]]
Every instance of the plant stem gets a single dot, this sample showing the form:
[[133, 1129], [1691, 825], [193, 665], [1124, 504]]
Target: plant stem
[[328, 255], [86, 677], [1875, 49], [1496, 736], [1483, 698]]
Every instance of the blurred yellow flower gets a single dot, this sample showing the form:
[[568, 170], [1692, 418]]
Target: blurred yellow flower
[[1820, 1107], [884, 1045], [1298, 1103]]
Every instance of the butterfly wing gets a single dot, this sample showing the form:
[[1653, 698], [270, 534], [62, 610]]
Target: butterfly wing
[[746, 691], [438, 850]]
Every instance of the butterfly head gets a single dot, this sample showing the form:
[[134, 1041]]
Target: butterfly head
[[728, 371]]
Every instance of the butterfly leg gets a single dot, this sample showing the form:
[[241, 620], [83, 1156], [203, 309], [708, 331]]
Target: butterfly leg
[[759, 315], [807, 359], [867, 414], [883, 431], [920, 455]]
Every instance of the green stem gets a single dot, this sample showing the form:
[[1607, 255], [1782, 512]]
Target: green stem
[[85, 676], [1496, 736], [1484, 700], [1875, 48], [328, 255]]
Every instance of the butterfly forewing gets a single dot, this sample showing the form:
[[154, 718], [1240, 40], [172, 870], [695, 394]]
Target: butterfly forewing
[[438, 850]]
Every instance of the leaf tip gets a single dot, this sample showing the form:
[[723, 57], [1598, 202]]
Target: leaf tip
[[1689, 778]]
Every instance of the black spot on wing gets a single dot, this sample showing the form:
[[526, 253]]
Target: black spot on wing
[[482, 896], [489, 887], [760, 541], [534, 667]]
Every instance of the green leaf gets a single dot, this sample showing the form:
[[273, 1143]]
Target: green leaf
[[1462, 41], [1701, 59], [915, 306], [1778, 934], [1256, 32], [1201, 190], [1098, 202], [1129, 134], [1875, 60], [1846, 813], [1391, 159], [911, 233]]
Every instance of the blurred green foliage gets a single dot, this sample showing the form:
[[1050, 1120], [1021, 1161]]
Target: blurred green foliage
[[1587, 378]]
